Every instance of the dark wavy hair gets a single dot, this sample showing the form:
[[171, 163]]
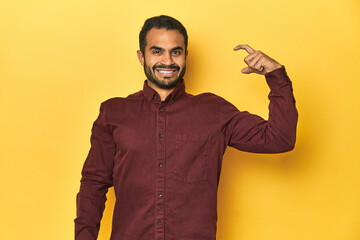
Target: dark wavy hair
[[160, 22]]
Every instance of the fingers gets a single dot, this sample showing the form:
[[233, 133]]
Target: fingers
[[255, 62], [258, 66], [247, 70], [251, 60], [245, 47]]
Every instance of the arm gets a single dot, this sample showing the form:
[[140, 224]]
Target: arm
[[95, 181], [248, 132]]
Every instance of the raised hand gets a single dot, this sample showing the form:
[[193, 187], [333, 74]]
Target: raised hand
[[258, 62]]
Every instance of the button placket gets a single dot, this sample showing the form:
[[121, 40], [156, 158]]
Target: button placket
[[160, 173]]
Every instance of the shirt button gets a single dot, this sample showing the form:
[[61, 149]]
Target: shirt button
[[161, 110], [160, 194], [160, 165], [160, 135], [159, 222], [156, 97], [149, 99]]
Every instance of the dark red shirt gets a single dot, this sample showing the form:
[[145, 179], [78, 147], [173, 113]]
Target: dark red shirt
[[164, 159]]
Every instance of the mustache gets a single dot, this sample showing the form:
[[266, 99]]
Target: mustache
[[172, 66]]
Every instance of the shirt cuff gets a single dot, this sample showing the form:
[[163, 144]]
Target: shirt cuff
[[276, 77]]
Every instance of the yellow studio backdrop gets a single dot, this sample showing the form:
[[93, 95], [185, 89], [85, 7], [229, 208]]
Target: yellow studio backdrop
[[60, 59]]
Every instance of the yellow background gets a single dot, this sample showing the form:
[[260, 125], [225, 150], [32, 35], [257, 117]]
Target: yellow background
[[60, 59]]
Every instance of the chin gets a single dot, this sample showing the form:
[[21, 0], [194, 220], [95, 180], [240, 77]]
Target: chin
[[166, 83]]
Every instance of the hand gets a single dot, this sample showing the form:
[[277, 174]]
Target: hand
[[257, 61]]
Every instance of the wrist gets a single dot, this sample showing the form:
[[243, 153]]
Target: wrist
[[276, 66]]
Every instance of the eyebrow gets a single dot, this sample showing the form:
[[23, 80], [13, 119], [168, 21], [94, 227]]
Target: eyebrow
[[156, 48], [177, 48], [162, 49]]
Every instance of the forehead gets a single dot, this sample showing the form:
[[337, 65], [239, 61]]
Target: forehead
[[164, 38]]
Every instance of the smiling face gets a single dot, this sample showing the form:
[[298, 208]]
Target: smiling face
[[165, 58]]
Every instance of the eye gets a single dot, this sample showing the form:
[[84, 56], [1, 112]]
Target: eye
[[176, 52], [157, 52]]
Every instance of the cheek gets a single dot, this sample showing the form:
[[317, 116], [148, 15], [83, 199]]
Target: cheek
[[150, 63], [181, 63]]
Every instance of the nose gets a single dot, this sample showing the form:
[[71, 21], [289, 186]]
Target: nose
[[167, 59]]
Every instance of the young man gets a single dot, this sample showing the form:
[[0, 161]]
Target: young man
[[161, 148]]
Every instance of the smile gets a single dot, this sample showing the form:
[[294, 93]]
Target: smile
[[166, 72]]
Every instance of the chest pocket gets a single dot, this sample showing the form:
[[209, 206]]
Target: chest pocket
[[191, 158]]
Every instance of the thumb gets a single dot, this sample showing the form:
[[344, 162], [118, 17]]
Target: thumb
[[247, 70]]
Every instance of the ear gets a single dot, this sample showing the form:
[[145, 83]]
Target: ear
[[140, 57]]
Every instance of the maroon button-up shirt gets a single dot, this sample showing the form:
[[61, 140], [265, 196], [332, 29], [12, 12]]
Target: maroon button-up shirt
[[164, 159]]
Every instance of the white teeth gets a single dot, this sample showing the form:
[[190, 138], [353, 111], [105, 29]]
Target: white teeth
[[164, 71]]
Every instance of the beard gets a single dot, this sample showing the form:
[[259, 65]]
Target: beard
[[163, 84]]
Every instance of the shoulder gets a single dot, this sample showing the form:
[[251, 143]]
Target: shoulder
[[112, 103], [216, 102], [210, 102], [137, 95], [116, 104], [116, 101], [209, 98]]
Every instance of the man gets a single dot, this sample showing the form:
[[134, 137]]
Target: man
[[161, 148]]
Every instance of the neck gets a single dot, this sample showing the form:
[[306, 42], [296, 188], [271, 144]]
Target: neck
[[163, 93]]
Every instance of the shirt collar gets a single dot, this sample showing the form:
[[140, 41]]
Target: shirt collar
[[150, 93]]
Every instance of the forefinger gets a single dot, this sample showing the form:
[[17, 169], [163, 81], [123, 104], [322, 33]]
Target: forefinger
[[245, 47]]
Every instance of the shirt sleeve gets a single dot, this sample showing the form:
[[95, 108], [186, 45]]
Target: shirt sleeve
[[96, 179], [251, 133]]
